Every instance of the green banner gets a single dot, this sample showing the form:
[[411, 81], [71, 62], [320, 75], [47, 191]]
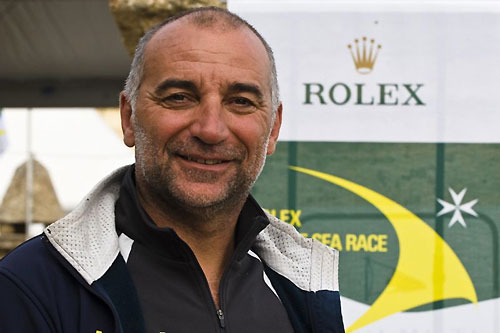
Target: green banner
[[417, 225]]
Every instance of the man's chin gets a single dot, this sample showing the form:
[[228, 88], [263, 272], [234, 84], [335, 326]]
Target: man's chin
[[202, 199], [191, 195]]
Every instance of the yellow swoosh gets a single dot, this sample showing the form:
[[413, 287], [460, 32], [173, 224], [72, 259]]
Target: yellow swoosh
[[416, 280]]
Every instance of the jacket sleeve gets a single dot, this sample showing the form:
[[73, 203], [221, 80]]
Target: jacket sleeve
[[19, 309]]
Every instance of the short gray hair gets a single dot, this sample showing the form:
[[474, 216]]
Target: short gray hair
[[203, 17]]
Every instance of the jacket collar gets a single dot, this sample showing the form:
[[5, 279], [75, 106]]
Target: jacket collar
[[87, 239], [134, 221]]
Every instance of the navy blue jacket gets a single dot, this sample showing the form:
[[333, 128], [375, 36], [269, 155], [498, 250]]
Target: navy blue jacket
[[73, 278]]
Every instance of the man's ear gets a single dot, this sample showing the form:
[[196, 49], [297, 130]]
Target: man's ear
[[127, 124], [275, 131]]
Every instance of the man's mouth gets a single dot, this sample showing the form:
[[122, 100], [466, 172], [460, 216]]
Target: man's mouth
[[204, 161]]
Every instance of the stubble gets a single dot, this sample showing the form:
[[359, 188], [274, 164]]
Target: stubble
[[154, 167]]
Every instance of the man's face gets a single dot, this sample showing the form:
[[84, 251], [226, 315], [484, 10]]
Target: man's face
[[203, 119]]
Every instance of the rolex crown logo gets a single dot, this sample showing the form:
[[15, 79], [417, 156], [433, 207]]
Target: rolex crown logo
[[364, 54]]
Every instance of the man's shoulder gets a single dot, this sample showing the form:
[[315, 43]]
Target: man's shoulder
[[30, 263], [29, 270], [304, 273], [41, 292], [310, 265], [283, 234], [36, 268], [30, 253]]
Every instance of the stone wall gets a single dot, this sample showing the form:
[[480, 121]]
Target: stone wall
[[135, 17]]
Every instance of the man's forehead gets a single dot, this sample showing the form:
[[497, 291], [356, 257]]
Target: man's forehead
[[174, 33], [172, 48], [208, 21]]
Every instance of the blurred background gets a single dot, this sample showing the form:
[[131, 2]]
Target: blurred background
[[389, 150]]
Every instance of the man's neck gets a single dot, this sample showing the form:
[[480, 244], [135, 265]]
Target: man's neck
[[211, 236]]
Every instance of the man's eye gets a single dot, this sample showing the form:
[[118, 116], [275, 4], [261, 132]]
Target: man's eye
[[175, 98], [241, 101]]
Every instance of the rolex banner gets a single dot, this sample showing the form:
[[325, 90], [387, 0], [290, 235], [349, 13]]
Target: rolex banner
[[390, 153]]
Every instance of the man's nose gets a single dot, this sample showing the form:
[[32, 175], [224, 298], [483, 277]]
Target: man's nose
[[210, 123]]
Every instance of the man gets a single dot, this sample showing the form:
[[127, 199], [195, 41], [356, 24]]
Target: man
[[175, 243]]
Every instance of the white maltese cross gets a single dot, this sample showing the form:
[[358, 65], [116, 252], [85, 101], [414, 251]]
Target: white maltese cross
[[457, 207]]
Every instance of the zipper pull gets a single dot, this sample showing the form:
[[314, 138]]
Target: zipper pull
[[220, 314]]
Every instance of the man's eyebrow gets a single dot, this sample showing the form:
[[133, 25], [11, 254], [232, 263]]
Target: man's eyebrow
[[175, 83], [239, 87]]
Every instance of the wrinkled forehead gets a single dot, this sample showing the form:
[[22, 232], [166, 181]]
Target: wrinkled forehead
[[216, 38]]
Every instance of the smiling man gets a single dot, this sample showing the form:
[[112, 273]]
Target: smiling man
[[176, 243]]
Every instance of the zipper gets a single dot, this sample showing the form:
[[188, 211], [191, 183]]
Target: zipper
[[223, 282], [220, 314], [203, 279]]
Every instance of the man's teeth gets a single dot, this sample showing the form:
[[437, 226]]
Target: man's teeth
[[209, 162]]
